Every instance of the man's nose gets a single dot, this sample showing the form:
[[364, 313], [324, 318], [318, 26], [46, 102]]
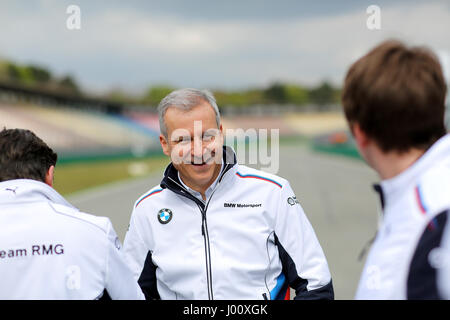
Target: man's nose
[[197, 148]]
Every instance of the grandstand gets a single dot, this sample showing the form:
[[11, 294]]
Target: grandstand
[[83, 128], [77, 133]]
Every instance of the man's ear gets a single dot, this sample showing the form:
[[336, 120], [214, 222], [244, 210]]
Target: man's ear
[[221, 133], [50, 175], [164, 144], [361, 138]]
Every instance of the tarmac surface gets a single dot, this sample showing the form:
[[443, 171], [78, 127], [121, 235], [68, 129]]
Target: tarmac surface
[[335, 192]]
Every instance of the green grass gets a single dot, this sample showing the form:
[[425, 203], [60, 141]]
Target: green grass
[[342, 150], [73, 177]]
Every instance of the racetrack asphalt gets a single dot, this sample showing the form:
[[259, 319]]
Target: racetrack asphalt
[[335, 192]]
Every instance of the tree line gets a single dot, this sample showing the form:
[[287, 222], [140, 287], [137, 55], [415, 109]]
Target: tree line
[[278, 93], [37, 77]]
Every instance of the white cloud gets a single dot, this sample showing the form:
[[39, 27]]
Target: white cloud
[[134, 49]]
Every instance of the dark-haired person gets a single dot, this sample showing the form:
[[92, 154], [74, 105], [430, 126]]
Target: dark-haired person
[[393, 99], [48, 249]]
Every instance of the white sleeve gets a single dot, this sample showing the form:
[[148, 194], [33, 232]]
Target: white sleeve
[[304, 262], [120, 283], [134, 247]]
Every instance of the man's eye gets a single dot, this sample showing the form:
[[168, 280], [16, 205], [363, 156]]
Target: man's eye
[[184, 140], [208, 137]]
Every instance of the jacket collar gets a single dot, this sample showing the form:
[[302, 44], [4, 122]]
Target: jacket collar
[[172, 182], [392, 188], [209, 190], [27, 190]]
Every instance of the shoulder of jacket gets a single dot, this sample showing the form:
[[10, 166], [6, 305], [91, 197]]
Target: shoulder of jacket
[[148, 195], [433, 188], [245, 172], [101, 223]]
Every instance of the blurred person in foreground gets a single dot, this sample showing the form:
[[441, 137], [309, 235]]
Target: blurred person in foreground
[[48, 249], [214, 229], [393, 99]]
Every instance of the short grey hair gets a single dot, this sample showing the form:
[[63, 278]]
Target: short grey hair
[[185, 99]]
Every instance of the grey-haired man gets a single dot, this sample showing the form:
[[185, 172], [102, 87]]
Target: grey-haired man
[[214, 229]]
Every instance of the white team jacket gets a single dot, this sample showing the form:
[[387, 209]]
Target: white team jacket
[[50, 250], [401, 263], [249, 240]]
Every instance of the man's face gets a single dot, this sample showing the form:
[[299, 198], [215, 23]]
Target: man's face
[[194, 143]]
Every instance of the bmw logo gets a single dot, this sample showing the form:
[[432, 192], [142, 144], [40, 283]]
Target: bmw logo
[[164, 215], [293, 200]]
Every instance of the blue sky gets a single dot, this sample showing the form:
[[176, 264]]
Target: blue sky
[[210, 44]]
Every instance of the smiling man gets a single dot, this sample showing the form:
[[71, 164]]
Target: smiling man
[[214, 229], [196, 153]]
